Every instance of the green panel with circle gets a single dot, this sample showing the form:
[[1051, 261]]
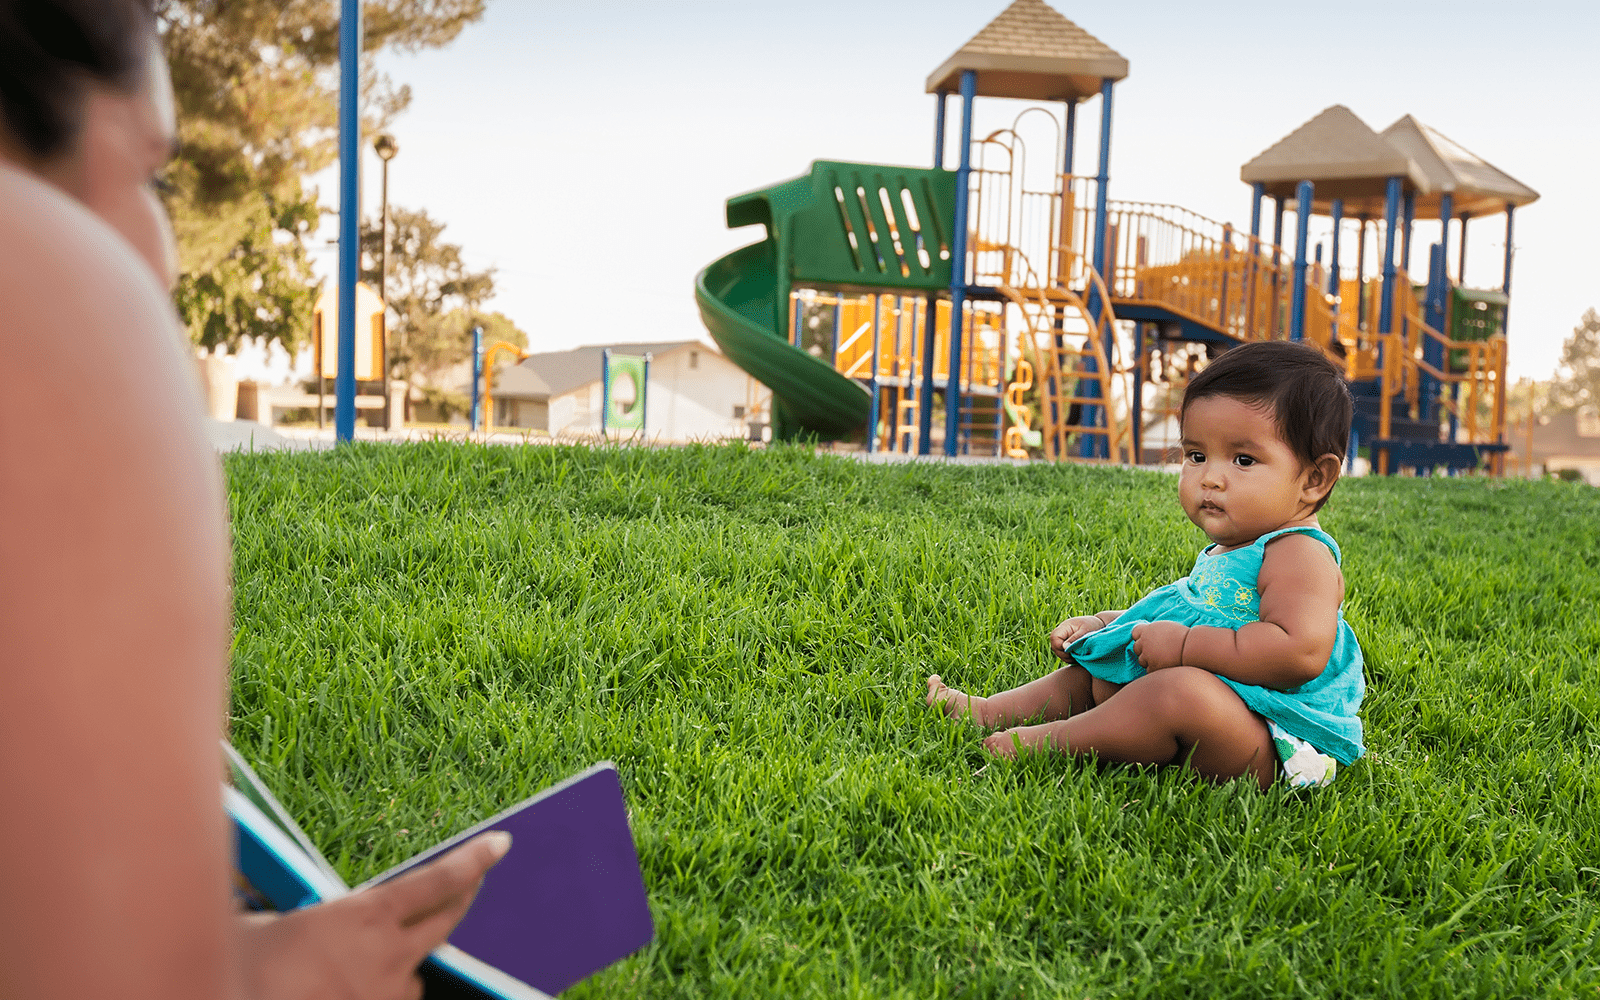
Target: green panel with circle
[[625, 393]]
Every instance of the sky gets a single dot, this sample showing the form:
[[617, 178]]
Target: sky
[[586, 150]]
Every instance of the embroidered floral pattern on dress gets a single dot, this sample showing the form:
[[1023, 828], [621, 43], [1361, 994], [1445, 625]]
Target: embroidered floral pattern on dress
[[1225, 594]]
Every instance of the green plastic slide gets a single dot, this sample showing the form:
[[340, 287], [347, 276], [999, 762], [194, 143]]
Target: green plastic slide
[[736, 296], [855, 227]]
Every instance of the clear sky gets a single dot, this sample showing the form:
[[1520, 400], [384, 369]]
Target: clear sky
[[585, 150]]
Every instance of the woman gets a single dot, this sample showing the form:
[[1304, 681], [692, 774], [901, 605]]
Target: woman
[[114, 593]]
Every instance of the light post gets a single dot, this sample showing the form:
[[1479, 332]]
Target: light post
[[385, 146]]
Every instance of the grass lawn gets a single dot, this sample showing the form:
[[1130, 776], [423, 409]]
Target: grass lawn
[[427, 633]]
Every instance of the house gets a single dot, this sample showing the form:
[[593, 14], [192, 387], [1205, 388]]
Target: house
[[693, 393], [1560, 441]]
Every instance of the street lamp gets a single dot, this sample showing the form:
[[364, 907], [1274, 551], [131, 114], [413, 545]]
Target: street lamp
[[385, 146]]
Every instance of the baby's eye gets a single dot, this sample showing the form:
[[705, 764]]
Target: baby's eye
[[1244, 461], [1196, 457]]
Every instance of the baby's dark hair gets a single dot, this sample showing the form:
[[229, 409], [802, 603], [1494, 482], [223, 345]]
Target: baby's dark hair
[[1306, 391], [49, 49]]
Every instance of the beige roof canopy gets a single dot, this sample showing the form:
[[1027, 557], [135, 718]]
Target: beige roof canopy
[[1342, 157], [1032, 52], [1476, 187]]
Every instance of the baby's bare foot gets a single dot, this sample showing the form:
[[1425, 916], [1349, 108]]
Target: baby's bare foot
[[956, 704], [1025, 739]]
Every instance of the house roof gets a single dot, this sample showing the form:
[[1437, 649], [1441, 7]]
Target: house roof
[[556, 373], [1339, 154], [1476, 186], [1034, 53]]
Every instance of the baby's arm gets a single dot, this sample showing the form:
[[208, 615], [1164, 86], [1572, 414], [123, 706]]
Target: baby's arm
[[1300, 588], [1067, 632]]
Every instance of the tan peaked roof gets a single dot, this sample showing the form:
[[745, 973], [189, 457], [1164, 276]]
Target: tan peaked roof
[[1476, 187], [1031, 52], [556, 373], [1339, 154]]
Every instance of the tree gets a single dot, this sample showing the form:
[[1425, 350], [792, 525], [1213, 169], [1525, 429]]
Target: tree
[[434, 299], [257, 112], [1577, 379]]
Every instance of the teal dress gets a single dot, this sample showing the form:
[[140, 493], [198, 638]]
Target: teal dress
[[1221, 591]]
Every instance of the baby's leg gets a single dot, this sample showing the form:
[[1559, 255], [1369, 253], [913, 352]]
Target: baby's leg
[[1056, 695], [1173, 716]]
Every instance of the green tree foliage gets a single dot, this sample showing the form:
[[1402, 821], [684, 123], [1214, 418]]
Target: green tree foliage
[[1577, 381], [433, 300], [257, 97]]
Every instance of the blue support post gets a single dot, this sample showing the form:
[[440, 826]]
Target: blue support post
[[644, 397], [838, 317], [1506, 285], [1433, 314], [1257, 192], [1410, 216], [605, 390], [344, 385], [1447, 208], [1461, 258], [1071, 137], [477, 377], [938, 131], [1302, 230], [1337, 211], [872, 381], [930, 323], [1391, 210], [1277, 265], [958, 265], [1093, 446], [1141, 370], [1222, 298]]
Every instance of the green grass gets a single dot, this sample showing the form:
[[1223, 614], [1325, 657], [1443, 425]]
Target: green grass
[[428, 633]]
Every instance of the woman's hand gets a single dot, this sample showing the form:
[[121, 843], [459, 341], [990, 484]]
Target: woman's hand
[[1071, 630], [366, 946], [1159, 645]]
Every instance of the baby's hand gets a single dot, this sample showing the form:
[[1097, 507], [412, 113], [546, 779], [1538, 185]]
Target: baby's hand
[[1159, 645], [1067, 632]]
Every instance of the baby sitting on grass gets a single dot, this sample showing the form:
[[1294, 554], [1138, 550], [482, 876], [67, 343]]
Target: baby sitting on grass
[[1246, 665]]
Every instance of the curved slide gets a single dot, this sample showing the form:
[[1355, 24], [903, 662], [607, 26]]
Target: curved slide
[[736, 295]]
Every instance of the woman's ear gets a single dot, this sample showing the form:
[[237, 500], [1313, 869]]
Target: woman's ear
[[1319, 478]]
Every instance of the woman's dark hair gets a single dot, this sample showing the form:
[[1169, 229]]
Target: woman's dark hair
[[1305, 389], [49, 51]]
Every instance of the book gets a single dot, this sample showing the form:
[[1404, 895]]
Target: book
[[565, 902]]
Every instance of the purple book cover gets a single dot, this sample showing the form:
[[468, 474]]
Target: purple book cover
[[568, 899]]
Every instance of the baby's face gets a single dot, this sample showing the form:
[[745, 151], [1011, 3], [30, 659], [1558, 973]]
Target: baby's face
[[1240, 479]]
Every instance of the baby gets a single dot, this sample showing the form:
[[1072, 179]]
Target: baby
[[1246, 665]]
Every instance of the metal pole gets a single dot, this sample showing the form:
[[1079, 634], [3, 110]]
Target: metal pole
[[1071, 137], [872, 381], [344, 386], [1277, 264], [1410, 216], [1447, 208], [1302, 225], [1333, 252], [1461, 262], [383, 295], [938, 131], [930, 324], [477, 375], [958, 265], [1505, 286], [605, 390], [1093, 447], [644, 398], [1391, 209], [1361, 275]]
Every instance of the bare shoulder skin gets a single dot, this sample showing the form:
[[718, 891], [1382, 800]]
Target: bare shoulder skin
[[114, 613]]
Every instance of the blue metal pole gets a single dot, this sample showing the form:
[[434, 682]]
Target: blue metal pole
[[1410, 216], [1093, 446], [1447, 208], [1257, 192], [1506, 284], [958, 265], [1461, 257], [872, 381], [1302, 226], [605, 390], [344, 385], [477, 377], [1071, 137], [930, 333], [1391, 209], [1333, 251], [644, 397], [1277, 317], [938, 131]]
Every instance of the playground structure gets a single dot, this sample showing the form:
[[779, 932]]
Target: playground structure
[[1008, 309]]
